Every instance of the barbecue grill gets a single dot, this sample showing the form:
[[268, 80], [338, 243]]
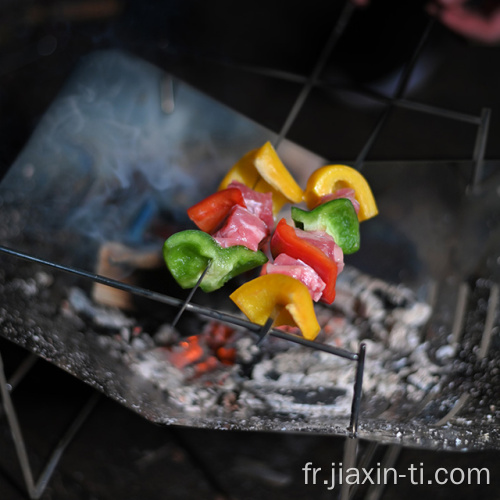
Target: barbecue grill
[[128, 144]]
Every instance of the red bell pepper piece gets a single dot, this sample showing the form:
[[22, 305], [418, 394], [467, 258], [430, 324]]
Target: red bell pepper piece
[[285, 240], [210, 213]]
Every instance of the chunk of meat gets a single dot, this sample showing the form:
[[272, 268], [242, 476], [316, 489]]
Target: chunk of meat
[[342, 193], [284, 264], [241, 228], [326, 244], [259, 204]]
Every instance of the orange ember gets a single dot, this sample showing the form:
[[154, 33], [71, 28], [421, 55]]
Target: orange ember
[[187, 352], [227, 355], [218, 335], [207, 351], [210, 364]]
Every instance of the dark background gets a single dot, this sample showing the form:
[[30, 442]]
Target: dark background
[[211, 45]]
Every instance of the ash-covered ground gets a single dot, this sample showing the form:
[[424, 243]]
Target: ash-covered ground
[[280, 377]]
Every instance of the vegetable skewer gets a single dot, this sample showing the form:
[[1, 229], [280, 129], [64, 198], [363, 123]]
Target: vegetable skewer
[[307, 258], [306, 252], [236, 204], [235, 216]]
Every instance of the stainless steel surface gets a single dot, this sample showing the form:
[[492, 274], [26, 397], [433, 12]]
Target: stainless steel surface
[[417, 240]]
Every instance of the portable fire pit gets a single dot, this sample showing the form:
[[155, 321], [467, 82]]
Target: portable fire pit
[[108, 175]]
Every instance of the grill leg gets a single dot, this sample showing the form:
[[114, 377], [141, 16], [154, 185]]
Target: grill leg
[[15, 429], [35, 491], [348, 462], [358, 385], [479, 150]]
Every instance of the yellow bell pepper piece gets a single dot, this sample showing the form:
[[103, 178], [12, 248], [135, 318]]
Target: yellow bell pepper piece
[[326, 180], [262, 170], [281, 297]]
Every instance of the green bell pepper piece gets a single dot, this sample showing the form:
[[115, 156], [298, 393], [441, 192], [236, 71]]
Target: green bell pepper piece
[[188, 253], [337, 218]]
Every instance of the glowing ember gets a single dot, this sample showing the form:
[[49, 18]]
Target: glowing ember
[[207, 351], [187, 352], [227, 355], [217, 334], [209, 365]]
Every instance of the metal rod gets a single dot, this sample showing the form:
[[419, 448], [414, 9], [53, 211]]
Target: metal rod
[[353, 89], [265, 330], [36, 491], [190, 296], [483, 348], [480, 149], [458, 406], [431, 298], [201, 464], [64, 442], [428, 397], [458, 320], [400, 102], [314, 345], [400, 89], [389, 460], [358, 384], [348, 462], [262, 70], [22, 370], [166, 299], [17, 435], [311, 82], [405, 78], [441, 112], [360, 159], [364, 464], [167, 100], [490, 321]]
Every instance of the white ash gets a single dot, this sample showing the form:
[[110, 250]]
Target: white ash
[[403, 338], [125, 334], [246, 350], [413, 316], [445, 352], [269, 400], [142, 343], [43, 279], [386, 317], [186, 391], [106, 317], [153, 365], [166, 335], [29, 287]]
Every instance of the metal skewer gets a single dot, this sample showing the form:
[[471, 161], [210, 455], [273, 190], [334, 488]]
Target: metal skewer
[[311, 82], [266, 328], [165, 299], [190, 296]]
